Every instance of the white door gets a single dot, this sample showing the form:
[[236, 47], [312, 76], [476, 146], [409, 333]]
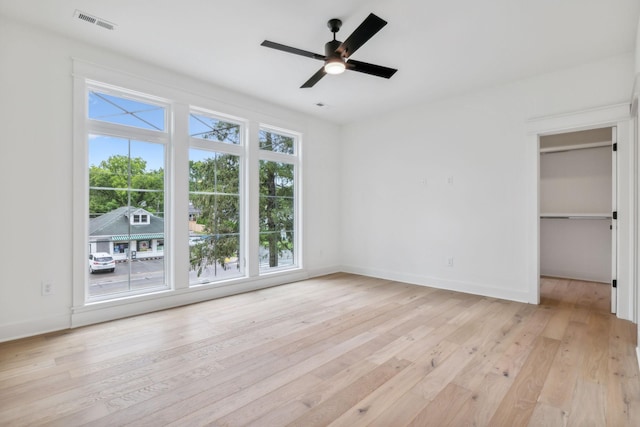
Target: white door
[[614, 220]]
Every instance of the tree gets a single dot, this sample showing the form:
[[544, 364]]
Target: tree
[[117, 182], [276, 198], [214, 187], [215, 194]]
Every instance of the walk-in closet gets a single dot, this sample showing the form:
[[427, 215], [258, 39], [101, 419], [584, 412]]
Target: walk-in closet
[[577, 204]]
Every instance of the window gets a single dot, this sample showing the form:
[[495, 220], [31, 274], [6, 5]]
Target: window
[[124, 111], [213, 129], [126, 197], [140, 218], [215, 239], [150, 172], [277, 201]]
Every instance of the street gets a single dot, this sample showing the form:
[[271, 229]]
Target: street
[[144, 274]]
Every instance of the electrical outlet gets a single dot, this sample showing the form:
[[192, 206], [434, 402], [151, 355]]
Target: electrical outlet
[[450, 262], [47, 287]]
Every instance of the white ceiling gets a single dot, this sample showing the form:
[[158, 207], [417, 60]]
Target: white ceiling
[[441, 47]]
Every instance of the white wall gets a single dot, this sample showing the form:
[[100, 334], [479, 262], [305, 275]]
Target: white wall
[[449, 180], [576, 249], [576, 181], [36, 164]]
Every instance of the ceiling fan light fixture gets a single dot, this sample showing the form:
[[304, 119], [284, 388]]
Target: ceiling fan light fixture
[[334, 66]]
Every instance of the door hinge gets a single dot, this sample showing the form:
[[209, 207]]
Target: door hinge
[[615, 215], [615, 146], [614, 283]]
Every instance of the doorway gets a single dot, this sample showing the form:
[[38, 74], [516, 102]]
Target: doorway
[[577, 186]]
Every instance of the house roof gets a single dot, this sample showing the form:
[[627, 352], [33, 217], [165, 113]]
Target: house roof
[[116, 224]]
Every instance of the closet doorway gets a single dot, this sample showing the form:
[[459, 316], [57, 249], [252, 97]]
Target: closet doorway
[[578, 206]]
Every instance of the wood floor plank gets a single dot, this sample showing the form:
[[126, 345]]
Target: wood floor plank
[[337, 350], [341, 401], [560, 384], [548, 416], [443, 409], [623, 383], [518, 405], [372, 406], [588, 407]]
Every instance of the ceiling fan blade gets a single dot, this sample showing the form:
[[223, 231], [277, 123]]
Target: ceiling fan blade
[[314, 79], [375, 70], [289, 49], [369, 27]]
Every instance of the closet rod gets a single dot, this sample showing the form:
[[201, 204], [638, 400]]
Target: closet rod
[[600, 217], [575, 147]]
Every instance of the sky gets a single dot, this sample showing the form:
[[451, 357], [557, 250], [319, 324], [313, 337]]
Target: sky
[[128, 112]]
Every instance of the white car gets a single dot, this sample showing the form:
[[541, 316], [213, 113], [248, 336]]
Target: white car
[[101, 261]]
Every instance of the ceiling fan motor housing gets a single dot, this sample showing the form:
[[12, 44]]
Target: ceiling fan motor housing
[[330, 49]]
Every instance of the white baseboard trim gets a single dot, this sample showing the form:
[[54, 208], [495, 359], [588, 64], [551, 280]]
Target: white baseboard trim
[[439, 283], [102, 312], [111, 310], [29, 328], [318, 272], [575, 275]]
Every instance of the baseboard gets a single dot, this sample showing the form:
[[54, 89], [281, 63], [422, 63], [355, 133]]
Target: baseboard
[[440, 283], [101, 312], [317, 272], [111, 310], [29, 328], [575, 276]]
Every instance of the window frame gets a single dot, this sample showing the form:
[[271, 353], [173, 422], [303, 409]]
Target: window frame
[[131, 133], [293, 159], [179, 101], [239, 150]]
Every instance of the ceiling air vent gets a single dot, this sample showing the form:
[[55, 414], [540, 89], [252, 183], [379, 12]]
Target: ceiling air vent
[[94, 20]]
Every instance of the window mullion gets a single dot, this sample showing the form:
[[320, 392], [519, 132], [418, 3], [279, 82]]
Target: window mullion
[[252, 175], [179, 246]]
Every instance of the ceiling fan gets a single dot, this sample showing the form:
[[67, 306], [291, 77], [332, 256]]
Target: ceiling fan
[[337, 57]]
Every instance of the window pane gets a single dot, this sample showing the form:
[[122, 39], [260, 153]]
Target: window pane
[[205, 127], [214, 216], [276, 215], [271, 141], [126, 215], [113, 109]]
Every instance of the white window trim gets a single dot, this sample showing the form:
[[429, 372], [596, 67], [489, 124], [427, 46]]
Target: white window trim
[[183, 97], [239, 150], [293, 159], [162, 137]]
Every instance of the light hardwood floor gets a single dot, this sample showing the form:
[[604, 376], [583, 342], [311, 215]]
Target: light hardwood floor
[[340, 350]]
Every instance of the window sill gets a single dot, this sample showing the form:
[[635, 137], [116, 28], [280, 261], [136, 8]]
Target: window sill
[[131, 305]]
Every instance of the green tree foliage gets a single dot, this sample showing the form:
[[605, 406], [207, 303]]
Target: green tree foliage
[[214, 192], [276, 198], [117, 182], [214, 187]]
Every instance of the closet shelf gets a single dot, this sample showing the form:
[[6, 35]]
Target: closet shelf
[[575, 216]]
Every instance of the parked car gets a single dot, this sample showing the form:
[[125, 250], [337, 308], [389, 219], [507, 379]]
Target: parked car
[[101, 261]]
